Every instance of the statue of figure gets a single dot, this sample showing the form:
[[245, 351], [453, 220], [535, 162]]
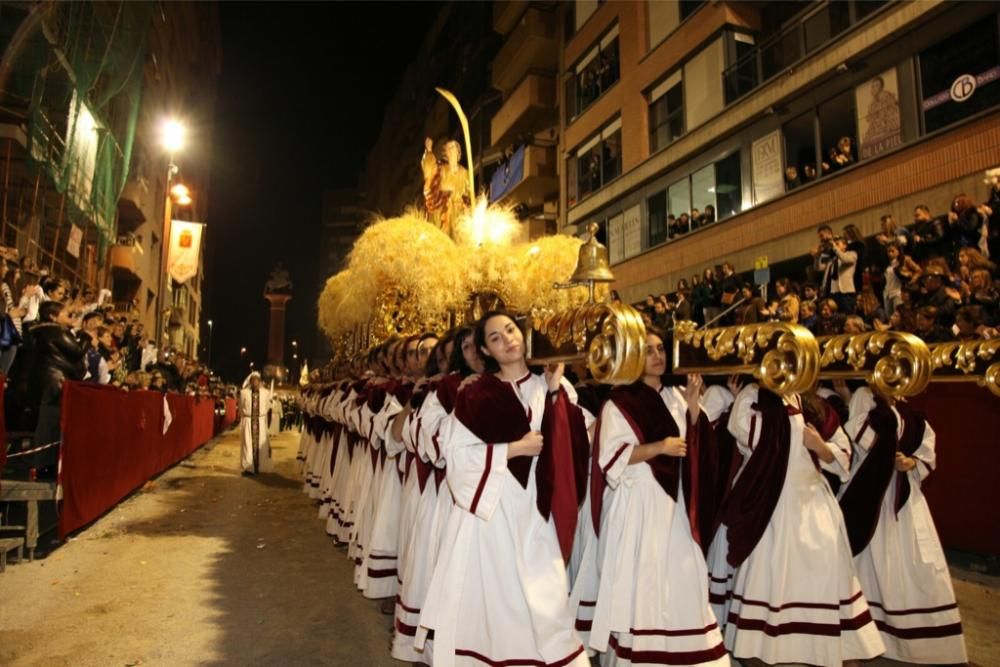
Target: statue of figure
[[279, 281], [446, 185]]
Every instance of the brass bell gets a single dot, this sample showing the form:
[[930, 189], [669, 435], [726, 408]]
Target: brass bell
[[592, 264]]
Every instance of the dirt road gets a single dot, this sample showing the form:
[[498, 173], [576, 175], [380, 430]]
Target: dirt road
[[201, 567]]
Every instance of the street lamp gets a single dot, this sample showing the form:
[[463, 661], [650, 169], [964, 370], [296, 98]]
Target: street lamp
[[208, 361], [172, 134]]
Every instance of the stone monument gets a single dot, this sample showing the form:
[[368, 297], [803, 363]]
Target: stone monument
[[278, 292]]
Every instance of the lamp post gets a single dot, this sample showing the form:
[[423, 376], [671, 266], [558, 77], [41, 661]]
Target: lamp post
[[208, 360], [172, 139]]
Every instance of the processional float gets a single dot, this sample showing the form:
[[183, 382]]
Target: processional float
[[407, 276]]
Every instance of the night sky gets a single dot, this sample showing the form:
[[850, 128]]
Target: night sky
[[300, 102]]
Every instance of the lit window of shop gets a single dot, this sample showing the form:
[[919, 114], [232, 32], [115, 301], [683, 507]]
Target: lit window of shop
[[960, 76], [593, 75], [666, 112]]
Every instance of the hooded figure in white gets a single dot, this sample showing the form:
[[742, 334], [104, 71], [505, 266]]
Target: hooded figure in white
[[277, 414], [255, 401]]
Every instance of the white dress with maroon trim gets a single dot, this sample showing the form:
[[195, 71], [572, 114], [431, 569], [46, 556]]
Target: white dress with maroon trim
[[499, 593], [796, 597], [402, 645], [379, 564], [903, 571], [437, 448], [652, 605], [335, 481], [421, 552], [345, 527], [582, 566]]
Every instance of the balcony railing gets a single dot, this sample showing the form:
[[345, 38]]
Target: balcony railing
[[814, 30]]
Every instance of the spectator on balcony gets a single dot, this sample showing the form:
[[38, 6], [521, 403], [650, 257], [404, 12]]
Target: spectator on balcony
[[830, 320], [836, 263], [969, 224], [12, 331], [752, 309], [931, 236], [928, 327], [856, 244], [807, 315], [709, 278], [809, 173], [659, 316], [840, 156], [701, 298], [695, 218], [729, 286], [682, 225], [869, 307], [786, 305], [937, 293], [792, 179], [969, 322], [900, 271], [683, 309], [810, 294], [708, 217], [854, 324], [981, 291], [893, 233]]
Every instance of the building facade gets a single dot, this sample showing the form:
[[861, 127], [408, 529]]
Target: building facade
[[671, 109], [82, 191]]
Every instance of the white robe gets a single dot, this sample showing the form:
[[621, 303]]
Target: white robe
[[277, 411], [653, 590], [796, 597], [499, 590], [255, 439], [903, 571]]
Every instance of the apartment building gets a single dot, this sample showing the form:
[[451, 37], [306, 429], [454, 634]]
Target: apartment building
[[669, 107]]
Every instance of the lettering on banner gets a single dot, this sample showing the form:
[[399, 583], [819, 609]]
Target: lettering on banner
[[616, 238], [632, 231], [768, 176]]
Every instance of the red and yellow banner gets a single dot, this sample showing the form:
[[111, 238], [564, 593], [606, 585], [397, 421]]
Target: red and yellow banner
[[184, 250]]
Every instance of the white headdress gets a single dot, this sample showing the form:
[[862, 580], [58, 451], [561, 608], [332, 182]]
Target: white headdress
[[246, 383]]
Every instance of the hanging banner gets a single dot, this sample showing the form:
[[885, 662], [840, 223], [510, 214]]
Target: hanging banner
[[879, 124], [632, 231], [768, 175], [75, 238], [184, 251], [616, 239]]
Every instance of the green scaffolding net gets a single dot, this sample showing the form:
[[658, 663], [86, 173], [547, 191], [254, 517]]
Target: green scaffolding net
[[77, 71]]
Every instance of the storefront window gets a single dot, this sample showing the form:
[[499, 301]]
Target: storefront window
[[960, 76]]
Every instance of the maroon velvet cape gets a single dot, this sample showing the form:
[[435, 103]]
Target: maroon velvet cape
[[749, 505], [650, 420], [417, 399], [491, 410], [862, 500], [914, 426]]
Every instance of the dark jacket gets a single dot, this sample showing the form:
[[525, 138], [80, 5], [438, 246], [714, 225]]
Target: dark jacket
[[50, 355]]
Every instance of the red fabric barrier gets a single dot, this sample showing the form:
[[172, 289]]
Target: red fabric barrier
[[960, 492], [113, 442]]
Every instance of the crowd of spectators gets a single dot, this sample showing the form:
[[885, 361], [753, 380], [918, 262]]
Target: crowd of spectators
[[933, 277], [51, 331]]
